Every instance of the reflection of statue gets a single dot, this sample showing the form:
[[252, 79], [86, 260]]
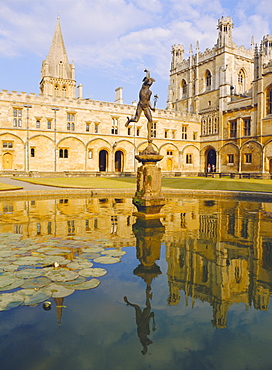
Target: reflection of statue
[[144, 104], [143, 318]]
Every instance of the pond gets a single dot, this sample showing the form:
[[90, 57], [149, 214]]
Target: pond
[[86, 285]]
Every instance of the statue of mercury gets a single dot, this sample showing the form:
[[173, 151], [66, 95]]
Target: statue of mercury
[[144, 104]]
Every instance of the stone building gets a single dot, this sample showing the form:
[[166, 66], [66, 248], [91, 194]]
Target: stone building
[[60, 131], [229, 87], [218, 117]]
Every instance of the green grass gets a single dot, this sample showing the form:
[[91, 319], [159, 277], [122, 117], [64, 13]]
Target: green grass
[[197, 183], [6, 187], [227, 184], [82, 182]]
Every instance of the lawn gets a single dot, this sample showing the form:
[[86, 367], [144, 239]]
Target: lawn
[[197, 183], [6, 187]]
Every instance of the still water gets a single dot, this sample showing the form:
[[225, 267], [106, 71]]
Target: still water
[[189, 291]]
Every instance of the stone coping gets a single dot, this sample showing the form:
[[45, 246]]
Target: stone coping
[[125, 193]]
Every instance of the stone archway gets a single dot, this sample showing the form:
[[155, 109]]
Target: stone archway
[[103, 160], [119, 161], [210, 160]]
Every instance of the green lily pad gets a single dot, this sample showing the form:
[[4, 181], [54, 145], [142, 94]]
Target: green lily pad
[[90, 284], [106, 260], [29, 273], [7, 253], [58, 291], [36, 282], [93, 249], [61, 275], [57, 251], [73, 283], [10, 300], [48, 260], [37, 297], [90, 255], [10, 267], [27, 260], [113, 252], [76, 265], [16, 284], [94, 272], [6, 279]]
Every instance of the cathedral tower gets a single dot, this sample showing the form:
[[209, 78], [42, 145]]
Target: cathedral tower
[[57, 74], [225, 26]]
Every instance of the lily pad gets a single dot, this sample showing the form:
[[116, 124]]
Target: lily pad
[[36, 282], [6, 279], [61, 275], [16, 284], [90, 284], [94, 272], [113, 252], [10, 300], [7, 253], [29, 273], [76, 265], [27, 260], [58, 291], [51, 259], [73, 283], [9, 267], [90, 255], [106, 260], [37, 297], [57, 251], [93, 249]]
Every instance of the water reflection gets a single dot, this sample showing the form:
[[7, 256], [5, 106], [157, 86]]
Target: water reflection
[[217, 251], [148, 235]]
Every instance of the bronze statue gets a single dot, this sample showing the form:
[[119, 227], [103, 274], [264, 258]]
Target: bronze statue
[[144, 104]]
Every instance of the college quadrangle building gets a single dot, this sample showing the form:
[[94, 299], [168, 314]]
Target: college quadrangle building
[[218, 117]]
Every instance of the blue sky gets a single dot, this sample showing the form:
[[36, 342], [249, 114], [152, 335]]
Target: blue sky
[[113, 41]]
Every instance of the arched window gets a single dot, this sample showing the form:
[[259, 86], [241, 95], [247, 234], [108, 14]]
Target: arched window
[[184, 89], [208, 80], [64, 91], [269, 100], [241, 81], [56, 91]]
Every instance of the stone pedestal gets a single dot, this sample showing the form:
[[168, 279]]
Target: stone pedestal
[[148, 197]]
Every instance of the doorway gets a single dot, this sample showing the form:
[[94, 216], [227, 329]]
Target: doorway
[[7, 161], [119, 161], [210, 160], [103, 160], [270, 165]]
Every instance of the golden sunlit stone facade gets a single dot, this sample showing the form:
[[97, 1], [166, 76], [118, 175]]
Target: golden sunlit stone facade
[[218, 117], [229, 87]]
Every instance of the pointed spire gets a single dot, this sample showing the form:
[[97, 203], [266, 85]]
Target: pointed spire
[[57, 58], [57, 75]]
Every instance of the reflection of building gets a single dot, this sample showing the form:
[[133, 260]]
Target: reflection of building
[[226, 260], [93, 218], [219, 252], [218, 114]]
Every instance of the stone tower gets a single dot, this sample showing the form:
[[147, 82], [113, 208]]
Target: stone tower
[[225, 26], [57, 74]]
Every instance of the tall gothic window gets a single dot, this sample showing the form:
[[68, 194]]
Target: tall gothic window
[[269, 100], [233, 129], [184, 89], [208, 80], [241, 81]]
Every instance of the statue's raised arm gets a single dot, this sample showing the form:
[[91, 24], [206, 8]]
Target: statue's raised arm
[[144, 104]]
